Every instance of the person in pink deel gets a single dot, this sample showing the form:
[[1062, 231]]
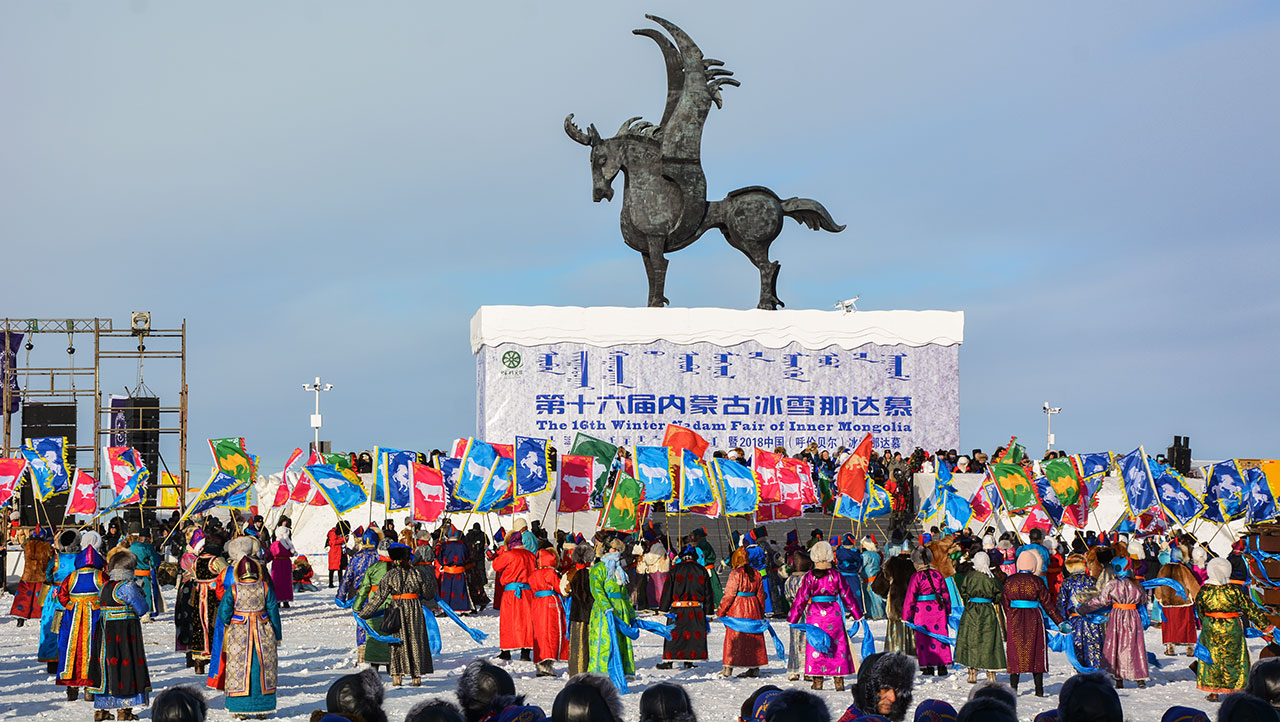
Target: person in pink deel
[[818, 602], [282, 554], [928, 605]]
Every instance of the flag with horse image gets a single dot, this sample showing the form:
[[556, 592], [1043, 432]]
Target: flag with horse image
[[47, 461], [605, 454], [533, 466], [399, 478], [622, 511], [1135, 479], [1016, 490], [477, 465], [1174, 495], [451, 470], [1226, 484]]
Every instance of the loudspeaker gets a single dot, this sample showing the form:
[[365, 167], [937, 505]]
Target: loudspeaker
[[142, 421], [41, 420]]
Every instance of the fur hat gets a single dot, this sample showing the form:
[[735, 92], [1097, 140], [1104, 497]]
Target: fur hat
[[588, 698], [821, 553], [986, 709], [1075, 563], [434, 710], [921, 557], [68, 542], [666, 702], [480, 684], [792, 705], [584, 554], [996, 690], [121, 565], [183, 703], [1244, 707], [885, 670], [357, 694], [1136, 550], [869, 543], [1199, 556], [399, 552], [1091, 697], [241, 547]]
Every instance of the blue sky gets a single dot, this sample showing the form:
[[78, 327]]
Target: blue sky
[[325, 189]]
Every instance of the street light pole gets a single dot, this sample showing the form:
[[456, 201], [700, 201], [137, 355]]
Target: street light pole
[[1049, 411], [316, 420]]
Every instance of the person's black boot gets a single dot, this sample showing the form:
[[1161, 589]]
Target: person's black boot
[[664, 665], [51, 667], [525, 655], [1013, 682], [1039, 680], [73, 693], [21, 621], [505, 655]]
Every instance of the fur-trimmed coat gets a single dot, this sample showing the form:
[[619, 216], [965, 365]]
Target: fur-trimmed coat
[[896, 573]]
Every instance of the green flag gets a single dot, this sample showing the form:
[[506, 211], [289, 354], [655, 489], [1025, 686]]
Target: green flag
[[342, 462], [1014, 486], [603, 452], [1014, 454], [622, 512], [1062, 477], [229, 455]]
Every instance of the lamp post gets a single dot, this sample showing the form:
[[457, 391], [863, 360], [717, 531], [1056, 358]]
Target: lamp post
[[1049, 411], [316, 420]]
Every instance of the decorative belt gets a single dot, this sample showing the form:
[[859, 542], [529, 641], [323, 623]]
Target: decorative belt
[[373, 588], [1024, 604], [1241, 582], [141, 572], [1124, 606], [517, 587], [1222, 615], [247, 617], [616, 595], [927, 598], [823, 598], [404, 596], [544, 593], [453, 569], [979, 600], [686, 604], [746, 594], [118, 615]]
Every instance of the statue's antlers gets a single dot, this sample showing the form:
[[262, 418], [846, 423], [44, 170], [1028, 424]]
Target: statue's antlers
[[589, 138]]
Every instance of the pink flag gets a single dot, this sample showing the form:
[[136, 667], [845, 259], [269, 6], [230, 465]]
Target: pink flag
[[428, 493], [10, 471], [577, 477], [122, 463], [979, 505], [795, 480], [84, 494], [765, 465], [282, 491], [458, 449], [1037, 519]]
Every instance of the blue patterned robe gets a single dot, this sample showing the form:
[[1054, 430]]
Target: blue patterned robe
[[148, 562], [59, 568], [1075, 591], [872, 603], [350, 585]]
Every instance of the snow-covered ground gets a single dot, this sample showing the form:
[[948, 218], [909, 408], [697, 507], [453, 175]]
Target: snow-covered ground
[[318, 647]]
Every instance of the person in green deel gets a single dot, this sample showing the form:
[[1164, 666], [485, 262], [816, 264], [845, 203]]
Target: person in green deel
[[148, 561], [608, 581], [375, 652]]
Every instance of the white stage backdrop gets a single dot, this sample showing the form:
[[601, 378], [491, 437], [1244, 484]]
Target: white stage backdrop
[[783, 390]]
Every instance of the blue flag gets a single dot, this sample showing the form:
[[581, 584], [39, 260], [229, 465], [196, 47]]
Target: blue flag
[[380, 473], [653, 471], [695, 487], [878, 502], [496, 492], [847, 508], [1135, 477], [451, 469], [737, 485], [957, 510], [1092, 465], [533, 467], [1175, 496], [220, 487], [1049, 500], [47, 462], [341, 493], [1226, 484], [478, 462], [1262, 503], [399, 479]]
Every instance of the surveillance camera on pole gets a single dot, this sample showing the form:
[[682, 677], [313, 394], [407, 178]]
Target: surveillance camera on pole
[[1049, 411]]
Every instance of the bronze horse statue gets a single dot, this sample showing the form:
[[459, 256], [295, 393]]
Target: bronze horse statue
[[664, 196]]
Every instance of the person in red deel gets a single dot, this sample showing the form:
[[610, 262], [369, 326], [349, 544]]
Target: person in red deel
[[743, 598], [511, 570], [550, 629], [337, 541]]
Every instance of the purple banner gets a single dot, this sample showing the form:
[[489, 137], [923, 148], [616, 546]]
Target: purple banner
[[9, 362], [118, 424]]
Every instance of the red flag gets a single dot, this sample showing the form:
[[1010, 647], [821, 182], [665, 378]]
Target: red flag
[[11, 471], [458, 449], [678, 437], [979, 505], [1037, 519], [428, 493], [84, 494], [282, 491], [765, 465], [795, 475], [577, 478], [782, 511], [506, 451], [851, 479]]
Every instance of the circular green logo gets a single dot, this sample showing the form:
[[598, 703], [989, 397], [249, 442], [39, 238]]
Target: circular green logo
[[511, 359]]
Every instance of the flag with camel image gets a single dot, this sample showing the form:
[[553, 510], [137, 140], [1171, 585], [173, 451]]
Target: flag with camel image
[[621, 513], [1014, 486]]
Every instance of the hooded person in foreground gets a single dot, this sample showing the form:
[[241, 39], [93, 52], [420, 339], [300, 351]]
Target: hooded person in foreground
[[883, 687], [587, 698], [480, 684]]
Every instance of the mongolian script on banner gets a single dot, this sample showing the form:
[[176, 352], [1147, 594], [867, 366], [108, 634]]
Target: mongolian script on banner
[[743, 395]]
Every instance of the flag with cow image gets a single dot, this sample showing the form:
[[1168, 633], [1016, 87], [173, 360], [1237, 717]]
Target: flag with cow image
[[1066, 484], [797, 473], [478, 462], [11, 471], [681, 438], [737, 486], [1015, 488], [653, 470], [1173, 493], [604, 453], [451, 470], [1135, 479], [576, 479], [47, 462], [231, 456], [851, 479], [765, 465], [533, 466], [622, 513], [84, 494], [428, 493], [695, 484]]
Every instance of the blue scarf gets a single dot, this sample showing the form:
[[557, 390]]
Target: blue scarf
[[616, 672], [758, 626], [613, 565]]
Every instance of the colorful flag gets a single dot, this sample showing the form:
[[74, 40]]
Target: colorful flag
[[680, 438], [478, 462], [533, 466], [1048, 500], [11, 471], [1262, 492], [341, 493], [956, 510], [497, 493], [84, 494], [1227, 484], [847, 508], [1175, 497], [604, 453], [230, 455], [797, 474], [780, 511], [451, 470], [1015, 488], [428, 493], [737, 487], [1095, 465], [241, 498], [1067, 486], [653, 470], [765, 465], [1135, 478], [695, 487], [172, 491], [399, 476], [47, 459], [851, 479], [576, 480], [1013, 453], [1037, 519], [288, 479], [622, 511], [123, 464], [878, 502], [979, 505], [380, 473], [215, 492]]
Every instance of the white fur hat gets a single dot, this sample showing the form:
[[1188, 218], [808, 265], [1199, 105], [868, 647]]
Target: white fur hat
[[821, 553]]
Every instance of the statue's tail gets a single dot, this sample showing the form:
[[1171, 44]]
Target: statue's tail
[[811, 213]]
